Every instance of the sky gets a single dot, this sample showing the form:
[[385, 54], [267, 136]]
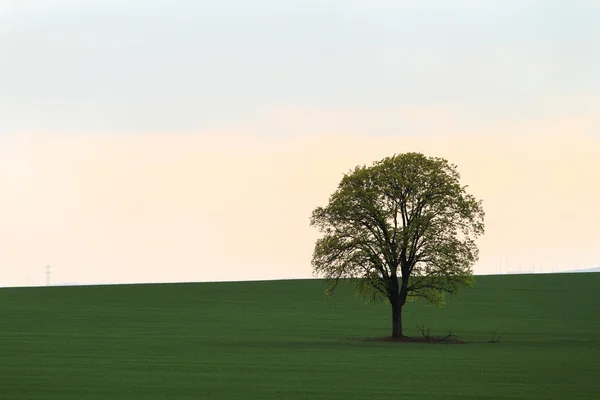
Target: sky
[[167, 141]]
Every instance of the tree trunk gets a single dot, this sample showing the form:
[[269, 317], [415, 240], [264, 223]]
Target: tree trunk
[[397, 300], [397, 319]]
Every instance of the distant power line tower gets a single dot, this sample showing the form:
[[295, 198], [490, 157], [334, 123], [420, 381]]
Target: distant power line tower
[[48, 272]]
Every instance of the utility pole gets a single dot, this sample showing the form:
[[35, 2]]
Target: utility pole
[[48, 272]]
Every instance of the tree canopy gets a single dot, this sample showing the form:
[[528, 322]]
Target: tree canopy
[[402, 228]]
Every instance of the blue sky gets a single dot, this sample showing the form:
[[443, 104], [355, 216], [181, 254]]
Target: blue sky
[[139, 139]]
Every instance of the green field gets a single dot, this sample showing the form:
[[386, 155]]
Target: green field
[[286, 340]]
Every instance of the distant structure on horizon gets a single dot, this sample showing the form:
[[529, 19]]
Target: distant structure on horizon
[[597, 269], [48, 272]]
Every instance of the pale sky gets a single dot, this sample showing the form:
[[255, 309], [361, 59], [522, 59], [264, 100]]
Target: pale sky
[[159, 141]]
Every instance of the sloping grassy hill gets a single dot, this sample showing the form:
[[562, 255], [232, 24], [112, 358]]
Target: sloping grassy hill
[[285, 340]]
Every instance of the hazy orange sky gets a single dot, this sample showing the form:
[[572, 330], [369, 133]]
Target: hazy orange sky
[[235, 206], [190, 141]]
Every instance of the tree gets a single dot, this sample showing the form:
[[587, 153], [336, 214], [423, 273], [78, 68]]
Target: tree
[[401, 229]]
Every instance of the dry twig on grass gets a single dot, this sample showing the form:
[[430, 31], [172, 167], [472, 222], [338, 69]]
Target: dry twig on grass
[[496, 339]]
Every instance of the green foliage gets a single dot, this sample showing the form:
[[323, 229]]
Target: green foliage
[[241, 341], [405, 217]]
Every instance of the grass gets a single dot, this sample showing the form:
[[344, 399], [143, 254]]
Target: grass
[[285, 340]]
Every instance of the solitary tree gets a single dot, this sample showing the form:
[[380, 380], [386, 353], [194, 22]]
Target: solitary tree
[[403, 228]]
